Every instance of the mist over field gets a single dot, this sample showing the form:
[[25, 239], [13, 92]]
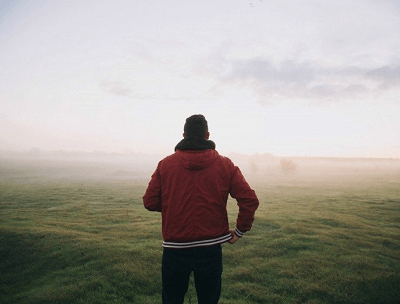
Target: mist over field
[[36, 165]]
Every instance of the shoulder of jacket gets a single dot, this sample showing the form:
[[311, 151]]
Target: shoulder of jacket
[[226, 161], [167, 159]]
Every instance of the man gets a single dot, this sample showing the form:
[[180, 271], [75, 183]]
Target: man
[[190, 188]]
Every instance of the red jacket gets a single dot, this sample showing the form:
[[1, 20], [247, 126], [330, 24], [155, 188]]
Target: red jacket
[[190, 188]]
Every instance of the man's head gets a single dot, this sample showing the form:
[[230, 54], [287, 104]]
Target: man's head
[[196, 125]]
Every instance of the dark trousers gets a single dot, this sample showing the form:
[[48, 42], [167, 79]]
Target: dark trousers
[[177, 265]]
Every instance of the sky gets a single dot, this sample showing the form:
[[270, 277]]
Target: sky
[[290, 78]]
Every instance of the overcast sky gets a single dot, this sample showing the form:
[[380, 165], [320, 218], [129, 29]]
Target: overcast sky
[[291, 78]]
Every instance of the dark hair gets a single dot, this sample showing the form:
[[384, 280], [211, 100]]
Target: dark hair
[[196, 125]]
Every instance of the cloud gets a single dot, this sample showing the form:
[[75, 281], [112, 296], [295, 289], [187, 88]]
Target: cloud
[[387, 76], [264, 70], [116, 88], [293, 79]]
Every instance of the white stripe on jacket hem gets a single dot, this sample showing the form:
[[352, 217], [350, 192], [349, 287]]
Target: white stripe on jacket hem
[[239, 233], [204, 243]]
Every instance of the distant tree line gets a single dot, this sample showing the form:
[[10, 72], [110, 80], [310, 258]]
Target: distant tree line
[[287, 166]]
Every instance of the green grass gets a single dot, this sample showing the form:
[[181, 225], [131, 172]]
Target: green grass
[[334, 239]]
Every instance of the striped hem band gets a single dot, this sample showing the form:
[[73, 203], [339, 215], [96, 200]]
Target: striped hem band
[[204, 243], [239, 233]]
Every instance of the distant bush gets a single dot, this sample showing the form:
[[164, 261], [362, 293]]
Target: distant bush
[[287, 166]]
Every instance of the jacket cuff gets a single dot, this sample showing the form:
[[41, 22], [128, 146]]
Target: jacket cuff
[[239, 233]]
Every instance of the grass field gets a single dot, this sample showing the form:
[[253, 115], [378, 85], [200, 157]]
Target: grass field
[[316, 239]]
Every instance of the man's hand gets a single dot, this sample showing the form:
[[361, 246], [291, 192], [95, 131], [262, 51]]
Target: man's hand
[[234, 237]]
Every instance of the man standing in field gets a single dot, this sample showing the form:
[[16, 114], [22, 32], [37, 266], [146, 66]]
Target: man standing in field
[[190, 188]]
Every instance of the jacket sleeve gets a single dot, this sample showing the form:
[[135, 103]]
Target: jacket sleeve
[[246, 199], [152, 197]]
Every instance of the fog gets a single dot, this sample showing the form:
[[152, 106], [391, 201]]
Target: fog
[[38, 166]]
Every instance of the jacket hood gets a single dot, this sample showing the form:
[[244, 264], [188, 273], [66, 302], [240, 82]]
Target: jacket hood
[[196, 159], [196, 153]]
